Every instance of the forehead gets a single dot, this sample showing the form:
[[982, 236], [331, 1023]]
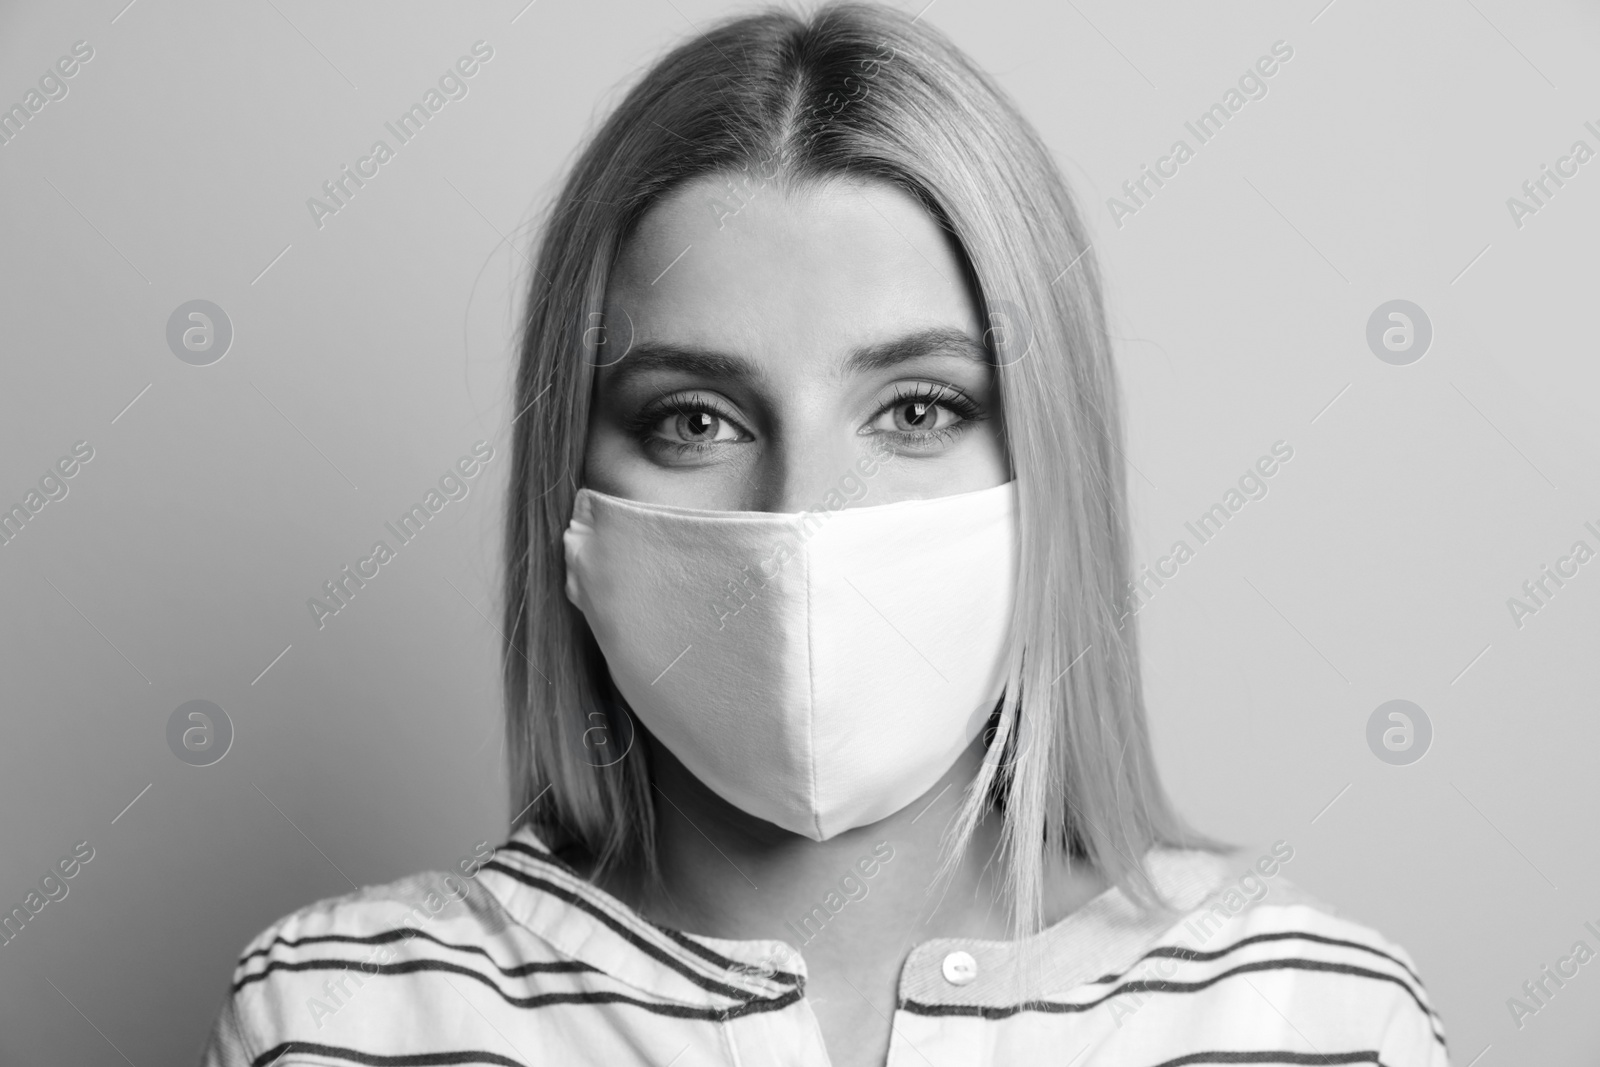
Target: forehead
[[783, 272]]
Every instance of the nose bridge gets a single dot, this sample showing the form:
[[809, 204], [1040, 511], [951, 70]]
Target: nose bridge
[[807, 469], [811, 435]]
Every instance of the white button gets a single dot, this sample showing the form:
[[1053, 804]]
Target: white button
[[960, 968]]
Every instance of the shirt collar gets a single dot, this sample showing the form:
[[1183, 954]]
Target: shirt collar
[[583, 922]]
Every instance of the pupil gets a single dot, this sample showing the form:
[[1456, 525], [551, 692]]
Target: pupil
[[699, 423], [917, 413]]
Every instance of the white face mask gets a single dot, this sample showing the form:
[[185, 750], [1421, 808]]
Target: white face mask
[[819, 670]]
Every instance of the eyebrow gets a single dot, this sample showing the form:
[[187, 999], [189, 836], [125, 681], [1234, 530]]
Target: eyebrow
[[929, 342], [933, 341]]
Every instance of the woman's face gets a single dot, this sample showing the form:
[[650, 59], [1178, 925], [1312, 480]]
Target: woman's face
[[753, 355]]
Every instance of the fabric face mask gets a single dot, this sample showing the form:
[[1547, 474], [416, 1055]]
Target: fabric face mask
[[819, 670]]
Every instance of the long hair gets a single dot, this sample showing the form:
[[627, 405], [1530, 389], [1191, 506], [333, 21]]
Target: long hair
[[863, 92]]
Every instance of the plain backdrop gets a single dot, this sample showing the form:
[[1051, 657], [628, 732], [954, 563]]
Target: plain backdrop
[[369, 354]]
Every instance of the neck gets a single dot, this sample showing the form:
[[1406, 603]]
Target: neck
[[727, 874]]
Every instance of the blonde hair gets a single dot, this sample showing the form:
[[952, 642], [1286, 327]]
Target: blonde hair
[[863, 92]]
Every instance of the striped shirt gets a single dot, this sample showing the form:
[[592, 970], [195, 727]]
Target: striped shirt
[[525, 962]]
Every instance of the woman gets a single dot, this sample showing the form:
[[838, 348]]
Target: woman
[[823, 700]]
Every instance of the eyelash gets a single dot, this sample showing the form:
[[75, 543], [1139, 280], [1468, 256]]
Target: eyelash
[[945, 396], [642, 425]]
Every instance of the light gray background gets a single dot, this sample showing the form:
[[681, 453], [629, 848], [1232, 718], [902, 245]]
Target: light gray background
[[375, 351]]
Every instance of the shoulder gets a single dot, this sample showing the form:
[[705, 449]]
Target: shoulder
[[1247, 892], [439, 967], [343, 971], [1244, 930], [421, 908]]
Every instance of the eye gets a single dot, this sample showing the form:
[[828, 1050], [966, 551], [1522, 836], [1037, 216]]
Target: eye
[[685, 425], [912, 416], [696, 427], [924, 411]]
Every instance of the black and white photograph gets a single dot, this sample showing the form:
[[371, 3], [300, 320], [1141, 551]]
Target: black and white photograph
[[799, 533]]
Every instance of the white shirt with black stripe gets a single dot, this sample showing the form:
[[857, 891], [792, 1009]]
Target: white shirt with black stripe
[[527, 963]]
